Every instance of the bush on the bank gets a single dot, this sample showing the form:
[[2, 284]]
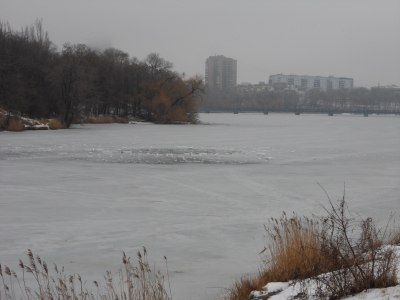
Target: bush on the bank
[[56, 124], [342, 254], [12, 124], [293, 249], [358, 258]]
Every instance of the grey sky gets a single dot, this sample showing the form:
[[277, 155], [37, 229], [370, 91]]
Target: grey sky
[[358, 38]]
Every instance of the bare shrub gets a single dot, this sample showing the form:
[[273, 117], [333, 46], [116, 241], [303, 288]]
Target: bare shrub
[[134, 282], [161, 108], [55, 124], [358, 256]]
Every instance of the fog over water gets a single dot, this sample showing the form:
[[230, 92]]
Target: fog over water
[[198, 194], [357, 39]]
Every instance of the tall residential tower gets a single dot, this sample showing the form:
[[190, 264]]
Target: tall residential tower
[[220, 72]]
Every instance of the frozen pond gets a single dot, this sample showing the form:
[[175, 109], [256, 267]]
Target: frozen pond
[[198, 194]]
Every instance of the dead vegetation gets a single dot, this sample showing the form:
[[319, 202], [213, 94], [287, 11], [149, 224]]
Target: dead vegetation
[[10, 123], [56, 124], [395, 240], [104, 119], [340, 254], [14, 125], [134, 282], [2, 121]]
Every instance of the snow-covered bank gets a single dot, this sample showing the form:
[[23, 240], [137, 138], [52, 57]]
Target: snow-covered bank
[[390, 293], [289, 291], [23, 122], [309, 288]]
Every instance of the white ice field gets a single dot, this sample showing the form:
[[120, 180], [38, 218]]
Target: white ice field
[[198, 194]]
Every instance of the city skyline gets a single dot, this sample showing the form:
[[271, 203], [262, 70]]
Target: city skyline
[[356, 39]]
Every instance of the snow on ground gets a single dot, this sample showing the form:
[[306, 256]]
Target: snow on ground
[[382, 294], [372, 294], [199, 194], [30, 124], [286, 290], [34, 124]]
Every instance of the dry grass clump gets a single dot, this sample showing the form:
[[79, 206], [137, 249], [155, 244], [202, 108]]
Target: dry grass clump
[[341, 254], [134, 282], [104, 119], [242, 287], [293, 250], [13, 124], [3, 120], [395, 240], [55, 124], [394, 235], [10, 123]]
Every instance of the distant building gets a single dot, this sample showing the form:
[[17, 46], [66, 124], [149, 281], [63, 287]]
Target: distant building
[[253, 88], [221, 72], [390, 89], [310, 82]]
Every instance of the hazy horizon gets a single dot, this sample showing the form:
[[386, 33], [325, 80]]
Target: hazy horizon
[[356, 39]]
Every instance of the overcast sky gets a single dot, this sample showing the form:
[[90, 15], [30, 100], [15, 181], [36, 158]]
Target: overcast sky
[[354, 38]]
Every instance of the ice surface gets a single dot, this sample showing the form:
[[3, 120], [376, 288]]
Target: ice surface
[[198, 194]]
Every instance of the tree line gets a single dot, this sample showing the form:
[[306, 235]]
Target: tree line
[[38, 80], [357, 99]]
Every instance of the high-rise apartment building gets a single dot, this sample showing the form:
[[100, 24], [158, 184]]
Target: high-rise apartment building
[[220, 72], [310, 82]]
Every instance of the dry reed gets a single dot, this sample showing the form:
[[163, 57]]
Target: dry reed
[[293, 250], [242, 287], [14, 124], [134, 282], [55, 124], [10, 123], [395, 240]]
